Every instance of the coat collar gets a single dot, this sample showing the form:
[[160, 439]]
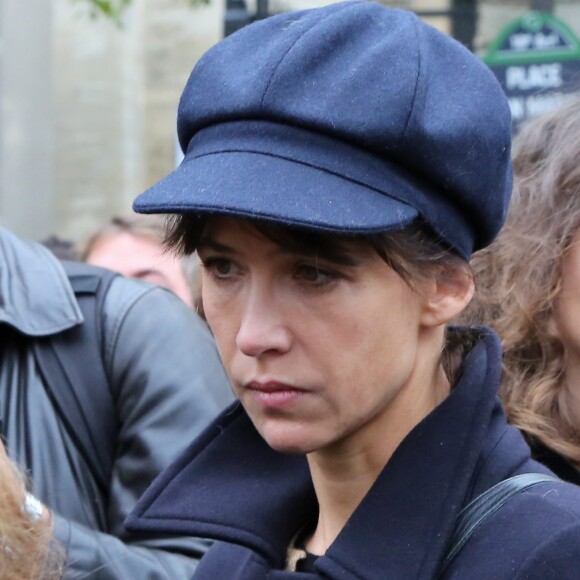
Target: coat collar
[[35, 295], [229, 485]]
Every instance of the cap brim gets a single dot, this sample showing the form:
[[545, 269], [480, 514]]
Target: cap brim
[[259, 186], [286, 174]]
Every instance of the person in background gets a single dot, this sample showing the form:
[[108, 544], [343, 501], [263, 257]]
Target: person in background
[[342, 164], [133, 246], [164, 381], [28, 550], [528, 290]]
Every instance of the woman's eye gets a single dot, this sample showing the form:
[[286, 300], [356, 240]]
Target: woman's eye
[[220, 268], [314, 275]]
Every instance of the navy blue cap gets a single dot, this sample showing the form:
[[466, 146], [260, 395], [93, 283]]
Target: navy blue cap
[[353, 118]]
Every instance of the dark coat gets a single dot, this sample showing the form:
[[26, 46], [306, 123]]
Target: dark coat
[[556, 462], [232, 487], [166, 381]]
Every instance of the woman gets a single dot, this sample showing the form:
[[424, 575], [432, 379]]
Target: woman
[[339, 172], [528, 288]]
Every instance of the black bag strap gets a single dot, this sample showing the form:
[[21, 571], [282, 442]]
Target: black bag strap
[[72, 366], [478, 511]]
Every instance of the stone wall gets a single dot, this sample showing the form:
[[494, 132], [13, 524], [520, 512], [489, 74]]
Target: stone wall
[[116, 94], [26, 117], [92, 105]]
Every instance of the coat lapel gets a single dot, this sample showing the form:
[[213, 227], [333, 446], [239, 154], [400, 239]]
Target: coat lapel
[[231, 486]]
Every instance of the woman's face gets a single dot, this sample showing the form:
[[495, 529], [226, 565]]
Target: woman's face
[[319, 352]]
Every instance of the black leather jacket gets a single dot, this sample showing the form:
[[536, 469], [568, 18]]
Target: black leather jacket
[[167, 382]]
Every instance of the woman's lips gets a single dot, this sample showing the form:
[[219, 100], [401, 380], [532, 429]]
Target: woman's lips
[[273, 395]]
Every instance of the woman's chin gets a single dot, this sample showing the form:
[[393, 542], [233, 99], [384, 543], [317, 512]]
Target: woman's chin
[[294, 443]]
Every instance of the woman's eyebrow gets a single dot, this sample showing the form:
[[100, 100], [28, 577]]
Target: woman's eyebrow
[[211, 244]]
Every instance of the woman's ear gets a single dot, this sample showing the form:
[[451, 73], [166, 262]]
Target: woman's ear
[[449, 293]]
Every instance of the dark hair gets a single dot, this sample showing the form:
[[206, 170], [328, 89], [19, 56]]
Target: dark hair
[[414, 252]]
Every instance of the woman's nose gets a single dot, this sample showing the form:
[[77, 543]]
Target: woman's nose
[[263, 327]]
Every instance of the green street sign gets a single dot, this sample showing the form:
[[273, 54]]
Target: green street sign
[[536, 59]]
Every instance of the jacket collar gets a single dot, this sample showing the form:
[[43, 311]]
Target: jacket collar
[[35, 295], [229, 485]]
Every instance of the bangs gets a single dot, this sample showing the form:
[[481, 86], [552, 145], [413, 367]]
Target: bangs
[[185, 232], [413, 252]]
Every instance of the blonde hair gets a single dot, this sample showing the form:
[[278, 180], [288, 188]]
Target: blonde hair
[[519, 278], [27, 549]]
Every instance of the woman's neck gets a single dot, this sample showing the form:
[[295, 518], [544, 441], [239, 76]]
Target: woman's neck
[[340, 484], [343, 474]]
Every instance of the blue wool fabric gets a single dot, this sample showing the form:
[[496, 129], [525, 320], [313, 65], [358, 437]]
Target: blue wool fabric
[[231, 487], [352, 118]]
